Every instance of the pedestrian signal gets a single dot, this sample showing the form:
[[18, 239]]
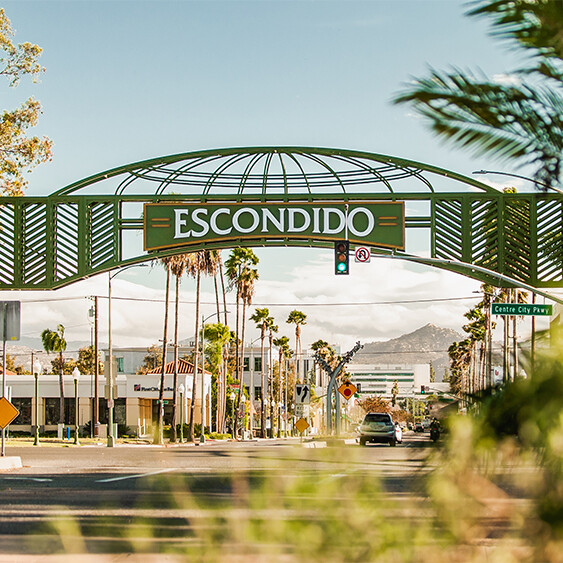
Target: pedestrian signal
[[341, 257]]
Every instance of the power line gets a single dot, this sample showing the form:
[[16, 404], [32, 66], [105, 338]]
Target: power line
[[266, 304]]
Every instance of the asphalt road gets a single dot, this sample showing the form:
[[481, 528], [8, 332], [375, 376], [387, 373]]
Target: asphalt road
[[170, 500]]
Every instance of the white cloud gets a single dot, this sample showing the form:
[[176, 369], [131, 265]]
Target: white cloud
[[391, 298]]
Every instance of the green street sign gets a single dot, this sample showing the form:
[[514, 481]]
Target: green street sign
[[380, 223], [521, 309]]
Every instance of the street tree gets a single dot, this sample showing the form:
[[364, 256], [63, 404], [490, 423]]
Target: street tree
[[54, 341], [19, 152]]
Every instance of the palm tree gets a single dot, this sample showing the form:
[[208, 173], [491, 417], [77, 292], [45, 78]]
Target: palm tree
[[239, 261], [177, 267], [247, 280], [297, 318], [282, 344], [199, 263], [159, 436], [54, 341], [260, 317], [271, 328], [242, 276], [519, 120]]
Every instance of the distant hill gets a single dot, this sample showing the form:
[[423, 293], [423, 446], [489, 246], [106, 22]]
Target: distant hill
[[429, 343]]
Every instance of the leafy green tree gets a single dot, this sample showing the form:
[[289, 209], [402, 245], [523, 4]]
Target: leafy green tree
[[54, 341], [18, 152], [520, 119], [152, 359], [217, 336]]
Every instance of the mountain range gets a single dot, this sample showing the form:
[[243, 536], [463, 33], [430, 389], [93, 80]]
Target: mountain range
[[427, 344]]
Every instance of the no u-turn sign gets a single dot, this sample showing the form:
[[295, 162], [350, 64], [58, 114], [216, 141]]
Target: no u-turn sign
[[362, 254]]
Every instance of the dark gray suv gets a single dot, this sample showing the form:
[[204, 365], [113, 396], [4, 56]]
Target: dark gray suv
[[378, 427]]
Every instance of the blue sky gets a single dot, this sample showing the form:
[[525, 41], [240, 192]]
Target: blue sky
[[131, 80]]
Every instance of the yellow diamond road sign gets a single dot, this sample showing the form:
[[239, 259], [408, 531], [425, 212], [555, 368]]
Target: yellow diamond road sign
[[347, 389], [7, 412], [301, 425]]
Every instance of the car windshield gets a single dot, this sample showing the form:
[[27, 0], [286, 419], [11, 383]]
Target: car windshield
[[376, 418]]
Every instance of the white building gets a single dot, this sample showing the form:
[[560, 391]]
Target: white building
[[379, 380]]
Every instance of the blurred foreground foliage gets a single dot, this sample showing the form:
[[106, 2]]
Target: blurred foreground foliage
[[492, 491]]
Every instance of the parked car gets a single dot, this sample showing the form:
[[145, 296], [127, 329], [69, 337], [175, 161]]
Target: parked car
[[378, 427], [418, 427]]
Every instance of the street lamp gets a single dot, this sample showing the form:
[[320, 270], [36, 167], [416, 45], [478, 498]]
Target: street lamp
[[242, 402], [76, 376], [519, 176], [109, 376], [36, 371], [251, 366], [181, 391], [232, 396], [203, 319]]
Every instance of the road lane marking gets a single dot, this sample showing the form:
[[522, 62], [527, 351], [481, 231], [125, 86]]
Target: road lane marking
[[39, 480], [137, 476]]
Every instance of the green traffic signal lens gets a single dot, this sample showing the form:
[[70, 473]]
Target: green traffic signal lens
[[341, 267]]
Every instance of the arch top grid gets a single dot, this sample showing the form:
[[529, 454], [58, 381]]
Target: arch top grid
[[269, 171], [96, 224]]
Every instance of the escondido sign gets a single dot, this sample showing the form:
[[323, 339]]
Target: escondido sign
[[176, 224]]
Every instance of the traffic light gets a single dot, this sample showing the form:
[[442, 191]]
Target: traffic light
[[341, 258]]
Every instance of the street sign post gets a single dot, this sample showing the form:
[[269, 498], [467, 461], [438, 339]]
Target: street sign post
[[301, 410], [302, 393], [521, 309]]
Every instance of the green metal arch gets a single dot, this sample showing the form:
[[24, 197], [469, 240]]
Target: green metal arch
[[95, 224]]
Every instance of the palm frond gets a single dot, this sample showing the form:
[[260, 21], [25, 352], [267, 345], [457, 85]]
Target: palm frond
[[505, 121], [533, 24]]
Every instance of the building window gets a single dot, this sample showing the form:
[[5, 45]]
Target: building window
[[246, 364], [119, 362], [258, 364], [52, 410], [24, 406]]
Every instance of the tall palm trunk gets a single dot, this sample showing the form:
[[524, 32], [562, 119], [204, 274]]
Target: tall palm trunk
[[160, 430], [262, 383], [241, 358], [174, 391], [196, 358], [224, 291]]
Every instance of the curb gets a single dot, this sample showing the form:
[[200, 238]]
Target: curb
[[11, 462]]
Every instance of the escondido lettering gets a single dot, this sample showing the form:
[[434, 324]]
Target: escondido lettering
[[225, 221]]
